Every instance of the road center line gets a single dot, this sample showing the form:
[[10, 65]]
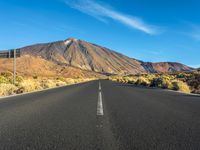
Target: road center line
[[99, 85], [100, 103]]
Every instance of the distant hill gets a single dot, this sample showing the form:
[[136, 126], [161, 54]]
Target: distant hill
[[85, 57], [162, 67]]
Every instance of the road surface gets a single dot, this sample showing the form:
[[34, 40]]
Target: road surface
[[100, 115]]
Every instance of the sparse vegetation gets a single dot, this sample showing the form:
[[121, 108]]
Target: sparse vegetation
[[35, 83], [4, 80], [7, 89], [186, 82], [142, 81], [181, 86]]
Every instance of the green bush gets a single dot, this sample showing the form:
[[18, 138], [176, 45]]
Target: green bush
[[180, 75]]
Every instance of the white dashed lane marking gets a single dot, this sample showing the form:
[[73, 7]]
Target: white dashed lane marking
[[100, 103]]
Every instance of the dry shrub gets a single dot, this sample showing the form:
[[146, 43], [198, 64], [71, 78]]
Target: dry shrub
[[121, 80], [6, 74], [115, 78], [196, 91], [185, 82], [194, 83], [125, 79], [79, 80], [156, 82], [150, 77], [19, 79], [193, 80], [61, 79], [162, 82], [7, 89], [69, 81], [90, 79], [60, 83], [167, 84], [4, 80], [35, 77], [112, 79], [142, 81], [181, 86], [28, 86], [48, 83], [132, 80]]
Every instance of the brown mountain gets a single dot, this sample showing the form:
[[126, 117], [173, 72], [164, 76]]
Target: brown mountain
[[85, 56], [162, 67]]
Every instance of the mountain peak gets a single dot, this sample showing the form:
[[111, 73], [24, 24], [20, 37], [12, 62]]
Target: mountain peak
[[91, 57], [70, 40]]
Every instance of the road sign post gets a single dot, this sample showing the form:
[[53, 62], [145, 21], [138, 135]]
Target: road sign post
[[11, 54], [14, 66]]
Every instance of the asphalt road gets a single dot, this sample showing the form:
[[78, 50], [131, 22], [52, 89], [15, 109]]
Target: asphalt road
[[100, 116]]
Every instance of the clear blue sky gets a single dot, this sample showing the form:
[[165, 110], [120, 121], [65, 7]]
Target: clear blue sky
[[150, 30]]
